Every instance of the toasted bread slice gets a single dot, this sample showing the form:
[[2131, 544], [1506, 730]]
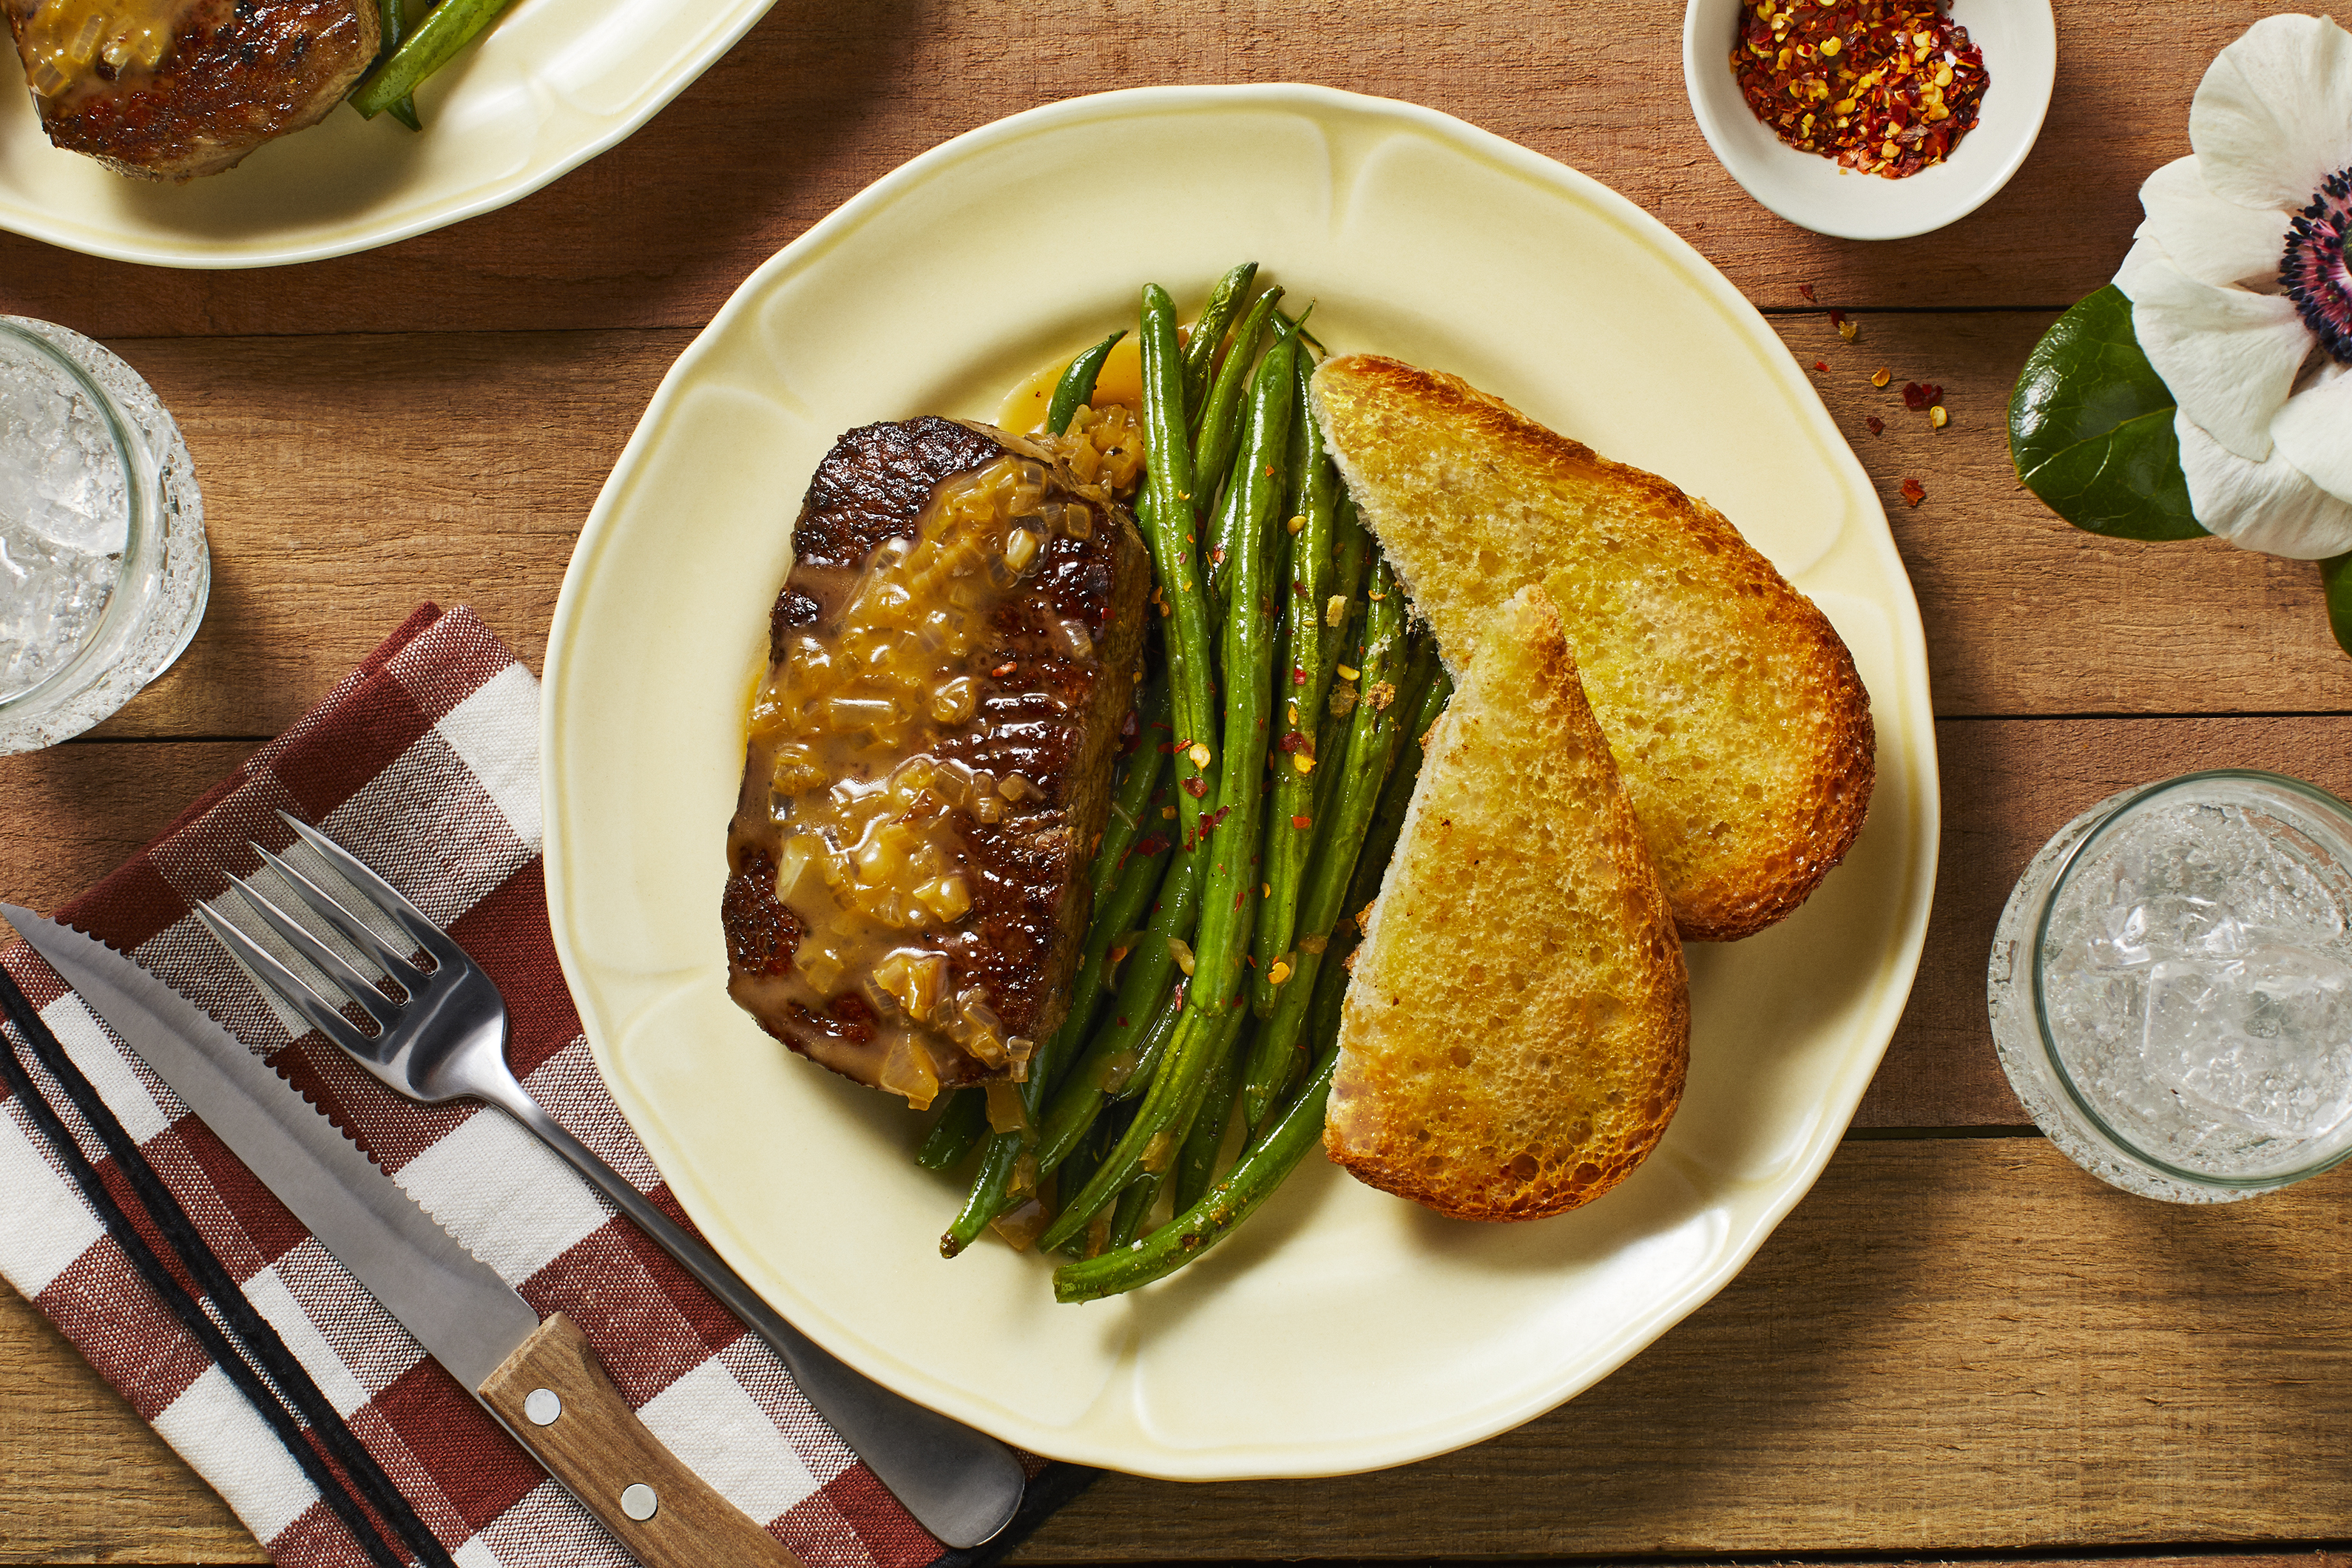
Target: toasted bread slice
[[1739, 724], [1518, 1027]]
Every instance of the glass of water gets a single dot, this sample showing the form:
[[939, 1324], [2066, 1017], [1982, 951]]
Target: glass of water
[[2171, 986], [103, 568]]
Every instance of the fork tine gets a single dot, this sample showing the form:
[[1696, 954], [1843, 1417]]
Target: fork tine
[[395, 963], [359, 987], [383, 894], [289, 987]]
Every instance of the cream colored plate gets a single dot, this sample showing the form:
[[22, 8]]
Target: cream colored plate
[[549, 86], [1341, 1329]]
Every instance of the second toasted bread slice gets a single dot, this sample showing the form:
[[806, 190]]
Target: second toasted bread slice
[[1518, 1027], [1734, 710]]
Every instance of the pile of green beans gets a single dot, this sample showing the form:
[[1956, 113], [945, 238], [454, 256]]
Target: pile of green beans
[[1286, 680]]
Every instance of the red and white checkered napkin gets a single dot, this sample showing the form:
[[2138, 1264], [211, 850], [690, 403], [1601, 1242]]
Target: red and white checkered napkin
[[425, 762]]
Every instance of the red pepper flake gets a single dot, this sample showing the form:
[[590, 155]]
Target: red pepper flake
[[1196, 787], [1807, 290], [1302, 822], [1292, 740], [1878, 425], [1918, 398], [1297, 675], [1007, 668], [1913, 493], [1884, 86], [1822, 365]]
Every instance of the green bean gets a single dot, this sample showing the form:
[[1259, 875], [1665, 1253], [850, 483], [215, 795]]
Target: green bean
[[1143, 989], [1222, 421], [1207, 332], [1081, 1163], [1130, 799], [1130, 1073], [1203, 1223], [961, 1124], [1077, 384], [1323, 1017], [1174, 515], [1128, 1214], [1227, 911], [1290, 821], [1299, 326], [1196, 1162], [393, 19], [1351, 554], [446, 28], [991, 1192], [1113, 917], [1374, 728]]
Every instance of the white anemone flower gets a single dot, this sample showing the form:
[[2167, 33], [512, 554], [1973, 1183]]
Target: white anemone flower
[[2240, 295]]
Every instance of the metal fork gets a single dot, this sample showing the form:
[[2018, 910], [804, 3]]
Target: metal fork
[[448, 1040]]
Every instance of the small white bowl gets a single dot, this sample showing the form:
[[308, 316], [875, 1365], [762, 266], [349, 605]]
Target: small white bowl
[[2020, 40]]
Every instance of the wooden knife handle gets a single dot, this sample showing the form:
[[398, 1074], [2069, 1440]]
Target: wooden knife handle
[[553, 1394]]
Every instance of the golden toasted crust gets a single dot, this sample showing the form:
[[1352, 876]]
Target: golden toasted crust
[[1518, 1027], [1739, 724]]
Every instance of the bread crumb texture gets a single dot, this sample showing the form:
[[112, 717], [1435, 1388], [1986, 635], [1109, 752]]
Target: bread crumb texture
[[1518, 1027], [1738, 721]]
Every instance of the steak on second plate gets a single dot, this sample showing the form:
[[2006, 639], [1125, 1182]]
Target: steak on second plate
[[168, 89]]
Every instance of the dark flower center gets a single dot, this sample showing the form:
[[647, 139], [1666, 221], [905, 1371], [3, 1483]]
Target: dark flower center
[[2312, 269]]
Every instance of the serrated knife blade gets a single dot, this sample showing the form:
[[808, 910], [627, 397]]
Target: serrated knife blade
[[467, 1318], [539, 1378]]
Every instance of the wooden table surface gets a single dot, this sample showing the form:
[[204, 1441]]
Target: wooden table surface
[[1958, 1345]]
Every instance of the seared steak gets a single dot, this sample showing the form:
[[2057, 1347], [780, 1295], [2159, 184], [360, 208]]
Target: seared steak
[[168, 89], [951, 661]]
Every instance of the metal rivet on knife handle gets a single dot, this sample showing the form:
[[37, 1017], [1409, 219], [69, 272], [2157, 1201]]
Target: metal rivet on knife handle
[[542, 1406], [662, 1512]]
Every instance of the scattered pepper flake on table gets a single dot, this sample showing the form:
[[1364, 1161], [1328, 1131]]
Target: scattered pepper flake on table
[[1881, 376], [1918, 398], [1878, 425], [1883, 87], [1807, 290], [1913, 492], [1937, 417], [1822, 365]]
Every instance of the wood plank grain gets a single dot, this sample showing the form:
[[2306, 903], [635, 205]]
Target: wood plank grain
[[82, 1479], [347, 479], [1948, 1346], [819, 101]]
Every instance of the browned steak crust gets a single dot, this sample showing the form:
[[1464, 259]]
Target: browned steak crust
[[238, 73], [1042, 711]]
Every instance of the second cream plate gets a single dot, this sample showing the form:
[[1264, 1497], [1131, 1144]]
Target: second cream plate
[[1341, 1329], [551, 84]]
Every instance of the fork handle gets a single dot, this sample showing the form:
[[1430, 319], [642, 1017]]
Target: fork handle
[[960, 1485]]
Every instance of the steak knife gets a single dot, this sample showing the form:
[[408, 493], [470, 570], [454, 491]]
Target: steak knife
[[540, 1378]]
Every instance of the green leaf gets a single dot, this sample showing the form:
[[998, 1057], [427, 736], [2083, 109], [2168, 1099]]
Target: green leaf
[[2338, 583], [2090, 428]]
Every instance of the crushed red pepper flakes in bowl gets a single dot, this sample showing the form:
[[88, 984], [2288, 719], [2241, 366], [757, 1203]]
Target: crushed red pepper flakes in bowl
[[1883, 87], [1913, 492]]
